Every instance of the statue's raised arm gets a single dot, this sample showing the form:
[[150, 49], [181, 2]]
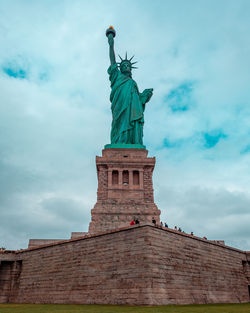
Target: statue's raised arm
[[110, 33]]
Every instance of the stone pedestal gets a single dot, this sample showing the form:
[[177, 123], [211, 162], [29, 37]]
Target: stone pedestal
[[125, 189]]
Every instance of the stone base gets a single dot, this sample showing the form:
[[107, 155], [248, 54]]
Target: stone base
[[143, 265], [125, 189], [110, 216]]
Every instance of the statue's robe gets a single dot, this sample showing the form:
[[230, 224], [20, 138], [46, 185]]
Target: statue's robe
[[127, 108]]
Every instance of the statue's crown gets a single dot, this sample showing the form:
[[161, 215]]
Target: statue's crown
[[126, 60]]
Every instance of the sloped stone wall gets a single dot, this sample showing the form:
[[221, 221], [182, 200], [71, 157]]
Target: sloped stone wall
[[188, 269], [111, 268], [135, 265]]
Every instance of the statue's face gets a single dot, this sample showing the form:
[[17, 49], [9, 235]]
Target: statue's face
[[125, 67]]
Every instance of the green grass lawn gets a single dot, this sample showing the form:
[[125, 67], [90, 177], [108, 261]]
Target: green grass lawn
[[81, 308]]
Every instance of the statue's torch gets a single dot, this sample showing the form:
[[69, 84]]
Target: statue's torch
[[111, 31]]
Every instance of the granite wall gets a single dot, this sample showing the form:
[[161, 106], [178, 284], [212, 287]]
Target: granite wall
[[135, 265]]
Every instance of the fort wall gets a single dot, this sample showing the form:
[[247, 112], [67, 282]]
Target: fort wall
[[135, 265], [188, 269]]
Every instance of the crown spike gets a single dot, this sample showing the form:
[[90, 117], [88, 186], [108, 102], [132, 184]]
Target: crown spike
[[120, 57], [134, 62], [134, 67], [126, 56], [131, 58]]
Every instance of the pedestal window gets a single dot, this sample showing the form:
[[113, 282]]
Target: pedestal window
[[135, 177], [125, 177], [114, 177]]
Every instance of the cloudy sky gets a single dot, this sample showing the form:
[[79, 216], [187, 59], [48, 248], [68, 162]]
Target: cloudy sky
[[55, 113]]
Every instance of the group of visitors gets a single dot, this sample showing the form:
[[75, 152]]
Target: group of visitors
[[154, 222], [182, 231], [179, 229], [191, 233], [135, 221]]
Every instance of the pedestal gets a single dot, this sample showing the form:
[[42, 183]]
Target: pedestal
[[125, 189]]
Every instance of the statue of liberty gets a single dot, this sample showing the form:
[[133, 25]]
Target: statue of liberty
[[127, 103]]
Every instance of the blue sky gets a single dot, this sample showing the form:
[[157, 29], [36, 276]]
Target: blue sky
[[55, 112]]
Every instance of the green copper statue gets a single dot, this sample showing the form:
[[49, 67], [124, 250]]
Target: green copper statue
[[128, 103]]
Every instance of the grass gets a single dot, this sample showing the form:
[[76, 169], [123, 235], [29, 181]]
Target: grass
[[82, 308]]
